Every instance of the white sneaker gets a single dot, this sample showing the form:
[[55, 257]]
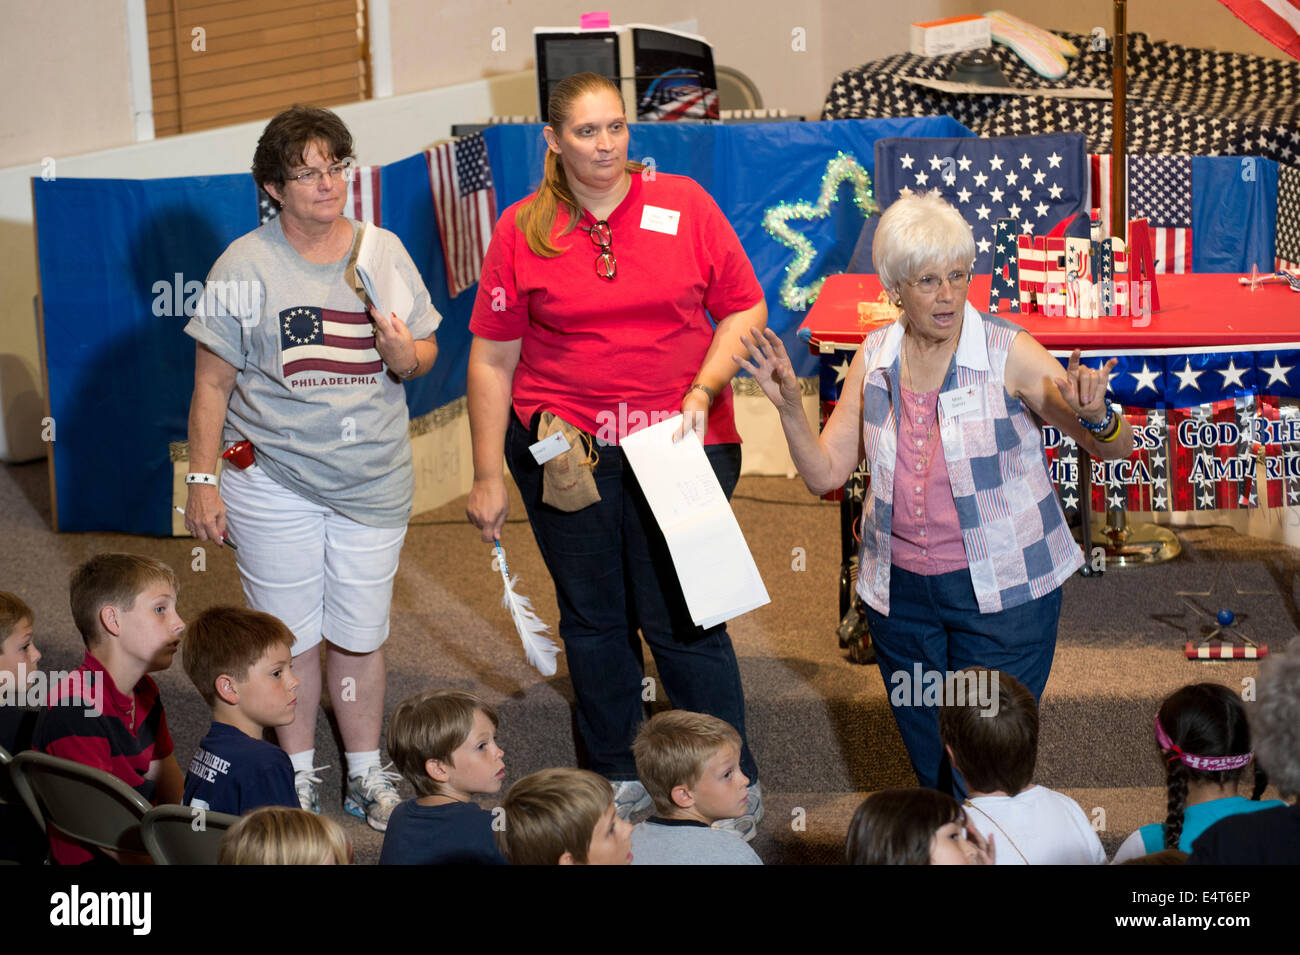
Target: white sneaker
[[631, 802], [746, 825], [306, 784], [373, 797]]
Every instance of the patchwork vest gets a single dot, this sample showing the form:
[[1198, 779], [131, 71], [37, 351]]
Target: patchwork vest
[[1017, 543]]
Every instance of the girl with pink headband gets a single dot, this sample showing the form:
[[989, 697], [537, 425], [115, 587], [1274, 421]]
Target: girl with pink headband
[[1204, 743]]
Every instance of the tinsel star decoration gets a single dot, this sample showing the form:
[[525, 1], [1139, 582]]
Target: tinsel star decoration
[[776, 220]]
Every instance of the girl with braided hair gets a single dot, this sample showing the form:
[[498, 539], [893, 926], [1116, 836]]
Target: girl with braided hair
[[1204, 740]]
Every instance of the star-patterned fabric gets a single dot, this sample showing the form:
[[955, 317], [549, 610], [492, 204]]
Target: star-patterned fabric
[[1160, 190], [1288, 214], [1035, 180], [1181, 99]]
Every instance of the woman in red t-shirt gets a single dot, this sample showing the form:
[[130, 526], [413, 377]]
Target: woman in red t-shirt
[[614, 297]]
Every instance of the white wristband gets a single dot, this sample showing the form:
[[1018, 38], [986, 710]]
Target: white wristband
[[198, 477]]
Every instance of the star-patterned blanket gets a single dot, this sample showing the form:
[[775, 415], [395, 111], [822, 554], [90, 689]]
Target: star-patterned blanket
[[1181, 99]]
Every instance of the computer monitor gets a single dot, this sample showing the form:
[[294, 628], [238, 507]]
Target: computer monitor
[[664, 75]]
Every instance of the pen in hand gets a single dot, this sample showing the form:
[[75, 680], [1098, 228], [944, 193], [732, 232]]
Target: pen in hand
[[225, 540]]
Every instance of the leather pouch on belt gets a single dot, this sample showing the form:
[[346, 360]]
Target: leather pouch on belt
[[568, 481]]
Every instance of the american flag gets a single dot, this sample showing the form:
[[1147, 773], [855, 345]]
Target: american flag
[[1159, 188], [321, 339], [363, 195], [1160, 191], [1277, 21], [1036, 180], [682, 100], [464, 202]]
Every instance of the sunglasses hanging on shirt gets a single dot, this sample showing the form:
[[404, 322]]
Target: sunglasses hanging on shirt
[[601, 237]]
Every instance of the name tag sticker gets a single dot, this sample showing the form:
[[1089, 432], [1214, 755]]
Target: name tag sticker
[[959, 401], [658, 219], [549, 447]]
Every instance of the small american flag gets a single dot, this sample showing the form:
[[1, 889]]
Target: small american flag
[[1160, 190], [363, 195], [321, 339], [672, 98], [1151, 192], [464, 202]]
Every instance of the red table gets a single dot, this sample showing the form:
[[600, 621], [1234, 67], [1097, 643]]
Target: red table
[[1195, 311]]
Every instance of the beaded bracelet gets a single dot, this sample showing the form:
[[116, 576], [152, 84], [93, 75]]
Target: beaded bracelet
[[1114, 431], [1101, 426]]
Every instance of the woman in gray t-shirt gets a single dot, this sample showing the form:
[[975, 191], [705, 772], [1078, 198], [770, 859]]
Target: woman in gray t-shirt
[[290, 360]]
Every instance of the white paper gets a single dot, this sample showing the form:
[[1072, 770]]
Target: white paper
[[714, 566], [383, 283]]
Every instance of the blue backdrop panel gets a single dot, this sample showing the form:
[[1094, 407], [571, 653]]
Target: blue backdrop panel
[[1234, 204], [120, 376], [747, 169]]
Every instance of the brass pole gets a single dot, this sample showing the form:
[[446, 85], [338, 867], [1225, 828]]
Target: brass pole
[[1119, 120]]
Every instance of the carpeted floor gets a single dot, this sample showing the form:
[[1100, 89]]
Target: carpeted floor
[[819, 725]]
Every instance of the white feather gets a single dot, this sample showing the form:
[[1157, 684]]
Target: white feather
[[539, 650]]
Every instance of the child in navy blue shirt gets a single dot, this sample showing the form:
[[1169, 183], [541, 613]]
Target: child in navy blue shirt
[[240, 661], [444, 743]]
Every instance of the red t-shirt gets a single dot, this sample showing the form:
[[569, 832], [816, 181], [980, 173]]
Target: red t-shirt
[[611, 357], [92, 722]]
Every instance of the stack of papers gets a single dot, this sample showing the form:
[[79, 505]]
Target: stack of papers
[[713, 562], [382, 282]]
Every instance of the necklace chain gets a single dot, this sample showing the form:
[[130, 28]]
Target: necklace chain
[[929, 431]]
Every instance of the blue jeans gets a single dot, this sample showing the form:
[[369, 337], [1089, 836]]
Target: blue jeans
[[613, 575], [935, 620]]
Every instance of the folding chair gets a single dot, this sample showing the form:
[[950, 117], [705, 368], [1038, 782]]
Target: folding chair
[[182, 835], [85, 804], [8, 795]]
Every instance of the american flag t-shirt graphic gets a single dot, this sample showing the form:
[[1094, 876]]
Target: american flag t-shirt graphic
[[464, 202], [325, 340]]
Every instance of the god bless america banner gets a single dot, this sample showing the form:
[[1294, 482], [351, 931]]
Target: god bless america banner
[[1234, 453], [1212, 430]]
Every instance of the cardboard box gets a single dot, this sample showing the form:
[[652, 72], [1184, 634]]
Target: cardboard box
[[951, 35]]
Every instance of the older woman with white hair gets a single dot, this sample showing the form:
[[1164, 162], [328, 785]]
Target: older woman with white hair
[[964, 544]]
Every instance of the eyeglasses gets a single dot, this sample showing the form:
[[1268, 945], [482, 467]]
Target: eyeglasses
[[930, 284], [340, 170], [601, 237]]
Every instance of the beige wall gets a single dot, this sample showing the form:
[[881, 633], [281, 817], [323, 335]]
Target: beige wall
[[63, 70], [754, 36], [438, 44], [63, 63]]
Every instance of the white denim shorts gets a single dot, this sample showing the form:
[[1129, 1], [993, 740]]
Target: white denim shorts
[[324, 575]]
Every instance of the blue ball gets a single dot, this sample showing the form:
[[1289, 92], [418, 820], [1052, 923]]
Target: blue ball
[[1226, 617]]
